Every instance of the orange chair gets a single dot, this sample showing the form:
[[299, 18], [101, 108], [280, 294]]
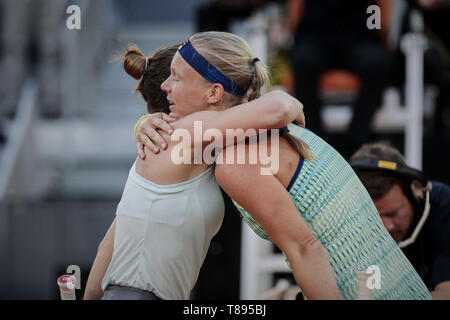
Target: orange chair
[[332, 80], [336, 80], [339, 80]]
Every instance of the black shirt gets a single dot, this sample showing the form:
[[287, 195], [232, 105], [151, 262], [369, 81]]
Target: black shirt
[[430, 254], [336, 17]]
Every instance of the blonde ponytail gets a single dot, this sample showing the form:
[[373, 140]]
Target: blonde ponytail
[[259, 81], [299, 145]]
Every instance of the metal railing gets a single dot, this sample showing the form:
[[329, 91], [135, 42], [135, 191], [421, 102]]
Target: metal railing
[[18, 139], [24, 173]]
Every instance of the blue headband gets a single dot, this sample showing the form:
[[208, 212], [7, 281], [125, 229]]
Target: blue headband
[[207, 70]]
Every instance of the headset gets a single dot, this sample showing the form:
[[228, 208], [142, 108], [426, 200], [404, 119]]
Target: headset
[[420, 185]]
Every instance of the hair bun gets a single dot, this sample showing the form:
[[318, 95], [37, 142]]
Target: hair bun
[[134, 62]]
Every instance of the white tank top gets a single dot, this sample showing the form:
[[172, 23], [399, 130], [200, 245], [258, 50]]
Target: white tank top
[[163, 233]]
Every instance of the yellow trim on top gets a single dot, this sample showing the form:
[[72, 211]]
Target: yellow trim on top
[[387, 165]]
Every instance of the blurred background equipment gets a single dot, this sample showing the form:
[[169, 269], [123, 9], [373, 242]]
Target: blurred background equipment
[[62, 176], [67, 116], [66, 284], [382, 113], [333, 35]]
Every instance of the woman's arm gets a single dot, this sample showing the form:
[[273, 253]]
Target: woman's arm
[[93, 289], [272, 110], [147, 137], [271, 206], [294, 14]]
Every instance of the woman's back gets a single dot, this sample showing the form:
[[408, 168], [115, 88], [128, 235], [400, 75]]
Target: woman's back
[[340, 212], [165, 221], [164, 167]]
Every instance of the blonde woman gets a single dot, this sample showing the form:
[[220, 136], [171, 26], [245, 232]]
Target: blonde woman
[[314, 208], [168, 212]]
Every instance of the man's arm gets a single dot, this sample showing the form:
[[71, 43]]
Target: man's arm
[[386, 13], [271, 206], [441, 291], [440, 238], [294, 14], [93, 289]]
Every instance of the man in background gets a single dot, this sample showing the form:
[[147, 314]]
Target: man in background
[[415, 211], [331, 34]]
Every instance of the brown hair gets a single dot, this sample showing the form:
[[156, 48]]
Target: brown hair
[[378, 183], [233, 57], [150, 76]]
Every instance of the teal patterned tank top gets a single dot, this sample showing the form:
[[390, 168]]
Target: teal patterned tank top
[[338, 209]]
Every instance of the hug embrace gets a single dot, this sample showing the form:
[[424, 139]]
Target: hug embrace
[[312, 207]]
